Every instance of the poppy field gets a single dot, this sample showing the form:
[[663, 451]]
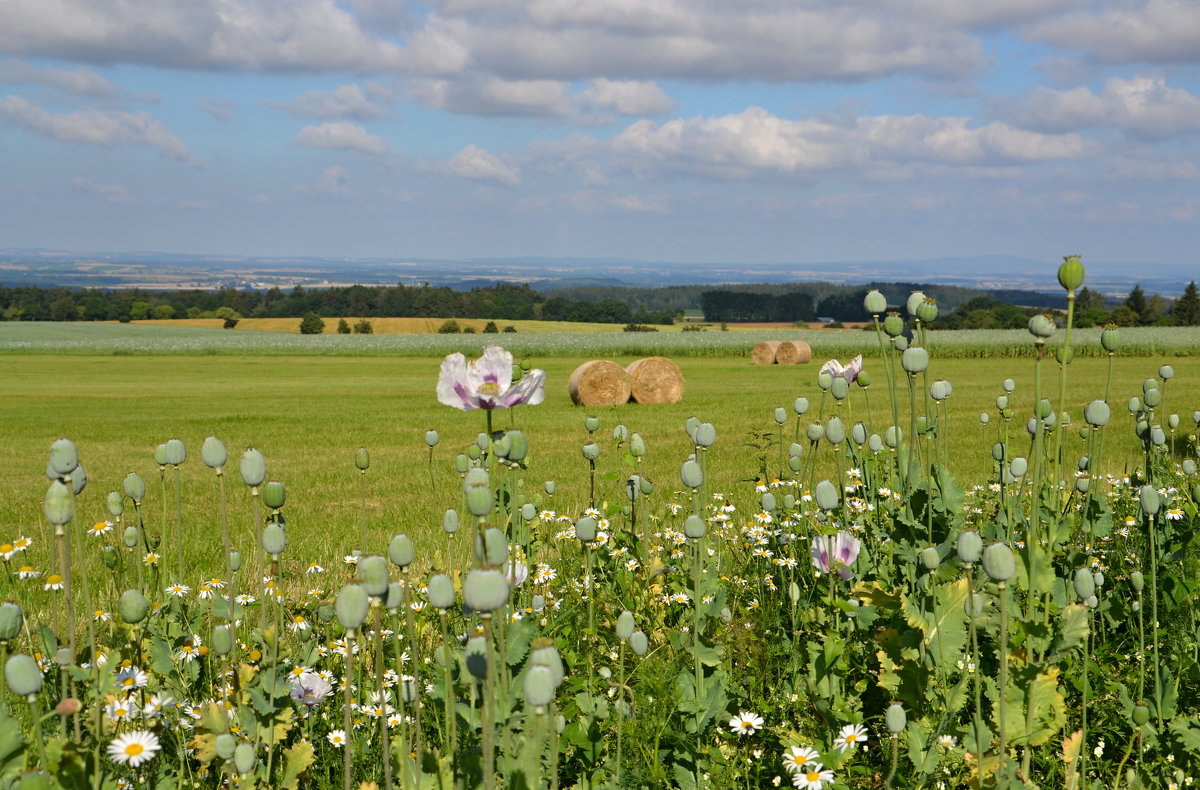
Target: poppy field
[[895, 569]]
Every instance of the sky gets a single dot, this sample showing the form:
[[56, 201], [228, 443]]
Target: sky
[[681, 130]]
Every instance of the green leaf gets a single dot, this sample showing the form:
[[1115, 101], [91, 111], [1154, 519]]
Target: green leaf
[[950, 494], [1036, 701], [945, 627], [1072, 632], [12, 747], [520, 635], [297, 759], [710, 655], [160, 657]]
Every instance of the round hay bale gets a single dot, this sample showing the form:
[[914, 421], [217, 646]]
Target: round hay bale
[[793, 352], [764, 353], [655, 380], [599, 383]]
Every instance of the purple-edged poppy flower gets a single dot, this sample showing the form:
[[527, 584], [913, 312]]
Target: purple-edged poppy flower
[[835, 553], [849, 371], [486, 383]]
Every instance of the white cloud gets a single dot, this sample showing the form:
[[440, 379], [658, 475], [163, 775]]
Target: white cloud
[[344, 101], [81, 81], [1144, 105], [91, 126], [492, 96], [478, 164], [1147, 31], [221, 109], [627, 97], [341, 135], [109, 192], [333, 183], [637, 203]]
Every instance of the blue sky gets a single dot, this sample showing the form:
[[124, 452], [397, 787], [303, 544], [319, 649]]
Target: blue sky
[[756, 131]]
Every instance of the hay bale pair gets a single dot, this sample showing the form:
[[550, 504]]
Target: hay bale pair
[[604, 383], [781, 352]]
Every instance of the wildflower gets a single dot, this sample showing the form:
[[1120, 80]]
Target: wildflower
[[1175, 514], [95, 530], [746, 723], [812, 777], [486, 383], [150, 559], [836, 553], [796, 757], [299, 623], [130, 678], [22, 543], [337, 737], [205, 592], [314, 568], [121, 710], [53, 582], [947, 742], [102, 616], [310, 689], [244, 599], [849, 371], [850, 736], [350, 559], [134, 748], [178, 590], [26, 572]]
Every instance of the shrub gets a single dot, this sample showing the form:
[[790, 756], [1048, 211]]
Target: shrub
[[470, 330], [230, 323], [490, 328], [363, 327], [449, 327], [311, 324], [639, 328], [510, 329], [343, 328]]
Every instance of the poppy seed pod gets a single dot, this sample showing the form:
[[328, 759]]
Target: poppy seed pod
[[585, 529], [1173, 421], [638, 643], [1152, 398], [11, 620], [221, 640], [64, 457], [625, 625], [213, 453], [914, 301], [893, 325], [984, 418], [1148, 498], [78, 479], [969, 547], [274, 495], [400, 551], [176, 453], [1097, 413], [895, 718], [244, 758], [1008, 385], [253, 467], [450, 521], [825, 380], [1140, 714], [462, 462], [233, 561], [115, 502], [839, 389], [858, 432], [440, 591], [893, 436], [351, 606], [800, 405], [475, 657], [1189, 467], [545, 654], [794, 463], [875, 303], [539, 686], [694, 527], [528, 511], [274, 540], [1041, 326], [768, 501], [59, 505], [1166, 372], [900, 343], [1018, 466], [864, 379], [1064, 355], [131, 537], [492, 548], [485, 589], [1137, 580], [931, 558], [1070, 273], [637, 445], [691, 474], [1158, 437], [1110, 339], [23, 675], [1083, 483], [875, 442], [1149, 384], [160, 454], [633, 487], [835, 431], [362, 459], [592, 424], [706, 435], [999, 451], [973, 605], [372, 573], [620, 434], [999, 562], [225, 745], [1098, 578], [133, 606], [780, 415], [927, 311], [591, 451], [940, 390], [431, 438], [1084, 582], [914, 360], [690, 425], [477, 488], [826, 495], [815, 431], [500, 446]]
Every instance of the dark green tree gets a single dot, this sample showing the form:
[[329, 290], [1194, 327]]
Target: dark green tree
[[311, 324], [343, 328], [363, 327], [1186, 310], [1136, 302]]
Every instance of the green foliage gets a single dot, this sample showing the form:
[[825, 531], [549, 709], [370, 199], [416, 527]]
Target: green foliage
[[363, 327], [311, 324], [343, 326]]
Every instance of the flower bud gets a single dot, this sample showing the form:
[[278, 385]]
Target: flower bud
[[835, 432], [23, 675], [691, 474], [59, 505], [274, 495], [638, 643], [625, 625], [431, 438], [914, 301], [914, 360], [253, 467], [362, 459], [485, 589], [133, 607], [826, 495], [694, 527], [244, 758], [895, 718], [1070, 273], [274, 540], [1140, 715], [1110, 339], [875, 303], [1148, 498], [969, 547], [401, 551], [64, 457], [1085, 583], [585, 529], [351, 606], [221, 640], [1137, 580], [11, 620], [893, 325], [999, 562], [620, 434]]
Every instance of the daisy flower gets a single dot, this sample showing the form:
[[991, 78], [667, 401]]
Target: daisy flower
[[812, 777], [178, 590], [314, 568], [7, 550], [99, 528], [150, 559], [134, 748], [337, 737], [102, 616], [850, 736], [53, 582], [796, 757], [26, 572], [746, 723], [22, 543]]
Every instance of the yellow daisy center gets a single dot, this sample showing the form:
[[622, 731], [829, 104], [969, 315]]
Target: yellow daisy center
[[134, 749], [6, 548], [812, 776]]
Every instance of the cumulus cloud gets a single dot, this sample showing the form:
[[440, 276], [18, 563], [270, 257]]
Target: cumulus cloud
[[1146, 31], [493, 96], [344, 101], [81, 81], [626, 97], [94, 127], [1144, 105], [478, 164], [108, 192], [341, 135], [221, 109]]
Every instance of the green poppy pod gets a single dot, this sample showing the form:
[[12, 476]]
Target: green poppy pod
[[550, 487], [940, 390], [352, 605], [969, 547], [1110, 339], [767, 500], [795, 463], [1148, 499], [362, 459], [922, 424], [133, 607], [893, 325], [253, 467], [440, 591], [691, 474], [394, 596], [1142, 429], [875, 303], [481, 440], [694, 527], [64, 457], [1084, 583], [372, 571], [585, 529], [592, 424], [233, 561], [824, 380], [539, 687], [131, 537], [835, 431], [477, 488], [984, 418], [1091, 601], [726, 615], [501, 446], [115, 502], [400, 551], [839, 389], [175, 453], [1097, 413], [1018, 466], [1134, 405], [893, 436], [492, 548], [59, 505], [1041, 326], [1137, 580], [1189, 467], [1196, 417], [625, 625], [450, 521], [800, 405], [1140, 715], [638, 643], [1158, 437], [927, 311], [109, 557], [789, 501], [915, 359], [637, 445], [1173, 421], [780, 415], [815, 431], [462, 462], [274, 540], [1196, 492], [864, 379], [11, 620], [914, 301], [1031, 426], [244, 758], [221, 640], [591, 451], [485, 589], [973, 605], [895, 718], [690, 425], [1001, 402], [528, 511], [999, 562], [23, 675], [826, 495], [225, 745], [1083, 483], [1008, 385], [646, 486], [1098, 578], [1064, 355], [545, 654], [620, 434], [274, 495], [875, 443], [78, 479], [431, 438], [633, 487], [213, 453], [1070, 273], [1149, 384], [706, 435], [1152, 398], [795, 450], [325, 613], [475, 657]]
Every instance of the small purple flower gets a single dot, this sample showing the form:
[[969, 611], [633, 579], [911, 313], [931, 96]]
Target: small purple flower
[[835, 553], [486, 383], [849, 371], [309, 689]]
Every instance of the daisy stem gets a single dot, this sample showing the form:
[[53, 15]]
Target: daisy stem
[[383, 720], [347, 682], [1154, 620], [1002, 691]]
